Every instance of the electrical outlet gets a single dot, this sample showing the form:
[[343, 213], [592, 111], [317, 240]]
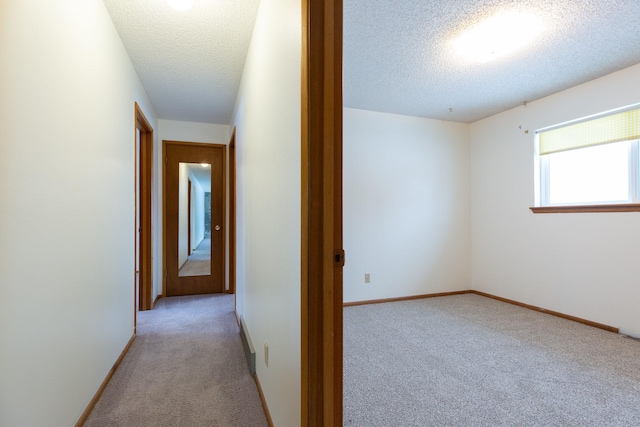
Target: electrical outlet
[[266, 354], [367, 278]]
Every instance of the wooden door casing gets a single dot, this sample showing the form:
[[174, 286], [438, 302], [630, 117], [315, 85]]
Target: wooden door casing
[[144, 225]]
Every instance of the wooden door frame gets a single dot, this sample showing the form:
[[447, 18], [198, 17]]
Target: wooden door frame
[[144, 160], [164, 205], [322, 254], [232, 213]]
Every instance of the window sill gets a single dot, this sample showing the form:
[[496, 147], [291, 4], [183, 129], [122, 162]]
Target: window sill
[[629, 207]]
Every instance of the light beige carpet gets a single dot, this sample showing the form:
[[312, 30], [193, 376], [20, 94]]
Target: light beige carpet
[[199, 262], [467, 360], [185, 368]]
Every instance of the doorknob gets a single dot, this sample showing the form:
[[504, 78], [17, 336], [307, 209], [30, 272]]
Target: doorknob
[[217, 228]]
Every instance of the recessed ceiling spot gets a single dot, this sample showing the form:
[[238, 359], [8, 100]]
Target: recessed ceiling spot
[[181, 5], [499, 35]]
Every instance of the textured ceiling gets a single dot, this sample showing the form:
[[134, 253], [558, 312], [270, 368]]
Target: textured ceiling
[[398, 56], [190, 63]]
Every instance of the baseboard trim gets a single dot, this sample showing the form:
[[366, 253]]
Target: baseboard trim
[[484, 294], [155, 301], [264, 401], [407, 298], [237, 317], [551, 312], [87, 411]]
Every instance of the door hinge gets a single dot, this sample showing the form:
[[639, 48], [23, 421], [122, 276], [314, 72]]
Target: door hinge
[[338, 258]]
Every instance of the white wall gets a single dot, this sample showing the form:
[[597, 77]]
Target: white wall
[[66, 206], [406, 205], [197, 211], [585, 265], [207, 133], [267, 116], [172, 130]]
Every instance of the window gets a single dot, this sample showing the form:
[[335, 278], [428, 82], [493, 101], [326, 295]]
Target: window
[[592, 161]]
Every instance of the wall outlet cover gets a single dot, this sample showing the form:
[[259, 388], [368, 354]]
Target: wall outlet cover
[[266, 353]]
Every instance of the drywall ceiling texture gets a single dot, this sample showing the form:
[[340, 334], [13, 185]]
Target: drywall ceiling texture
[[398, 56], [189, 62]]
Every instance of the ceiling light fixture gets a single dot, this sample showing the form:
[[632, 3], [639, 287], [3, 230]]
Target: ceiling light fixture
[[498, 36], [180, 5], [205, 165]]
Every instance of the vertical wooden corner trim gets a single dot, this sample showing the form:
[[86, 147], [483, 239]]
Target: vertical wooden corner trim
[[321, 293], [232, 212], [225, 240], [304, 224], [337, 297], [163, 168]]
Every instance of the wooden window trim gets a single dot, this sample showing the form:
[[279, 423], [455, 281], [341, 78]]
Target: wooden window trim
[[628, 207]]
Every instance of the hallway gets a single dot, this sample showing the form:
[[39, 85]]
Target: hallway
[[199, 262], [185, 368]]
